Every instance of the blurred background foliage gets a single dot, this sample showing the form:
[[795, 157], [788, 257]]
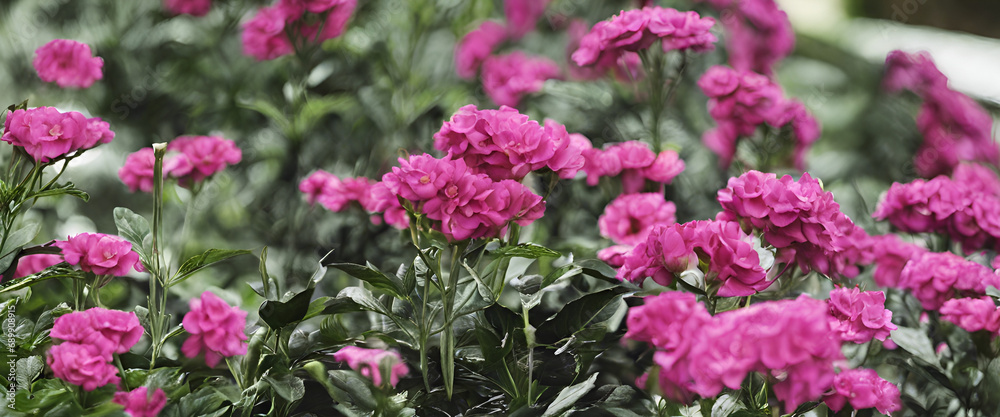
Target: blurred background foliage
[[382, 89]]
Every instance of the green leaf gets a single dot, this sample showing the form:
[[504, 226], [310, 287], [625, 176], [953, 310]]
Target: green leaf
[[62, 189], [28, 369], [526, 250], [18, 239], [582, 314], [199, 262], [267, 109], [917, 344], [287, 386], [569, 396], [52, 272], [356, 386], [134, 228], [368, 273], [991, 386], [278, 314], [269, 289]]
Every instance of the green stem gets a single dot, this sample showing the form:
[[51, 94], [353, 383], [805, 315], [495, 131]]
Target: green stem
[[157, 292], [448, 333]]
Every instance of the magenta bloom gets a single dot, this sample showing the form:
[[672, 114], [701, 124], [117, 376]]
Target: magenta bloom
[[915, 72], [68, 64], [332, 192], [758, 33], [972, 314], [46, 133], [109, 331], [890, 256], [630, 217], [216, 328], [372, 362], [627, 67], [505, 144], [139, 402], [207, 155], [508, 78], [81, 365], [863, 388], [635, 30], [614, 256], [934, 278], [475, 46], [264, 35], [191, 7], [381, 200], [635, 162], [137, 173], [860, 316], [100, 253], [33, 264], [522, 15]]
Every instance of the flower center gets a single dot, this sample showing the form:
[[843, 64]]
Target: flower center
[[425, 179], [56, 130], [451, 191]]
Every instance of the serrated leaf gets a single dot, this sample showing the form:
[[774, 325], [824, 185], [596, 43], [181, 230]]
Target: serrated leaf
[[204, 260], [368, 273], [569, 396]]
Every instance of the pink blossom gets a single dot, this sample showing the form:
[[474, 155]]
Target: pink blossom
[[68, 63], [508, 78], [137, 172], [859, 316], [522, 15], [373, 362], [758, 33], [191, 7], [635, 30], [81, 365], [476, 46], [627, 67], [46, 133], [332, 192], [109, 331], [100, 253], [863, 388], [972, 314], [264, 36], [890, 256], [614, 255], [207, 155], [635, 162], [138, 402], [216, 328], [381, 200], [934, 278], [630, 217], [33, 264], [915, 72]]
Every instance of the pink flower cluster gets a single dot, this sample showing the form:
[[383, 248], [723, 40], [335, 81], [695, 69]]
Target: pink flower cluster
[[68, 64], [758, 33], [336, 194], [741, 100], [955, 127], [627, 66], [635, 162], [476, 46], [100, 253], [630, 217], [890, 255], [33, 264], [523, 15], [508, 78], [797, 217], [90, 338], [216, 328], [973, 314], [966, 208], [789, 340], [192, 160], [636, 30], [191, 7], [729, 256], [464, 204], [46, 133], [266, 35], [371, 362], [863, 388], [506, 144], [934, 278], [139, 403], [859, 316]]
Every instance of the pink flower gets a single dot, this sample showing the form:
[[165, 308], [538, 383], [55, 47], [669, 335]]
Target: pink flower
[[508, 78], [635, 162], [216, 328], [475, 46], [332, 192], [68, 63], [635, 30], [627, 67], [33, 264], [191, 7], [373, 363], [137, 173], [863, 388], [614, 255], [915, 72], [890, 256], [100, 253], [207, 155], [381, 200], [109, 331], [860, 316], [758, 33], [138, 402], [972, 314], [46, 133], [630, 217], [522, 15], [934, 278], [81, 365], [264, 35]]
